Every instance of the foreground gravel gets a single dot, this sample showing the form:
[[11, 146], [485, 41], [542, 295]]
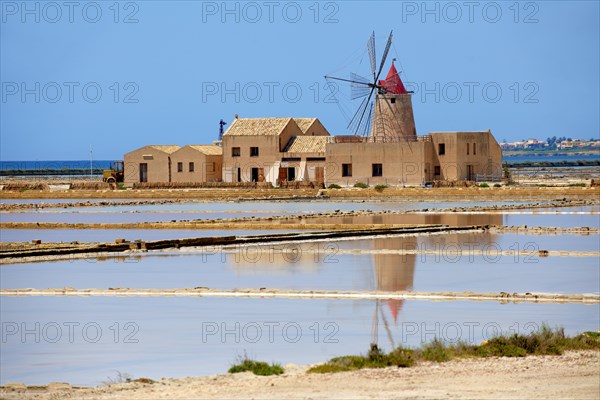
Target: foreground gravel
[[575, 375]]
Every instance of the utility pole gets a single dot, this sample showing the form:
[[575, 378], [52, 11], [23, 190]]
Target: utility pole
[[91, 162]]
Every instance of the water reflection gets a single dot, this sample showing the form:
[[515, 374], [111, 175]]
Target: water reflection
[[394, 272], [177, 337]]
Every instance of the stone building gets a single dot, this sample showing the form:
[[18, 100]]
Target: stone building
[[439, 156], [151, 163], [274, 150], [197, 163]]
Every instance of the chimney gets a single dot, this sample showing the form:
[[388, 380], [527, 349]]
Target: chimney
[[235, 116]]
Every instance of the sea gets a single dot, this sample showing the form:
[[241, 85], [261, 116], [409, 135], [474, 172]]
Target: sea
[[55, 164]]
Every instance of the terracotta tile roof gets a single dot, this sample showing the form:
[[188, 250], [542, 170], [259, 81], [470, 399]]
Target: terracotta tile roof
[[308, 144], [304, 123], [208, 149], [168, 148], [257, 126]]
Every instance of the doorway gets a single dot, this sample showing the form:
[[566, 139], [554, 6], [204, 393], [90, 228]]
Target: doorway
[[291, 174], [470, 172], [143, 172]]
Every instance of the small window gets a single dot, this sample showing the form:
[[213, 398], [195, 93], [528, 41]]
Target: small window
[[436, 170], [467, 148], [210, 167], [346, 169], [441, 149], [474, 148], [377, 169], [179, 167], [253, 151], [393, 100], [235, 152], [191, 167]]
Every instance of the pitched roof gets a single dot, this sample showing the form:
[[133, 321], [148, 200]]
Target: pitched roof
[[257, 126], [304, 123], [308, 144], [208, 149], [167, 148]]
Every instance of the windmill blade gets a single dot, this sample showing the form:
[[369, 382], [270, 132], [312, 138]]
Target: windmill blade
[[346, 80], [368, 120], [372, 55], [385, 53], [359, 79], [355, 118], [360, 87]]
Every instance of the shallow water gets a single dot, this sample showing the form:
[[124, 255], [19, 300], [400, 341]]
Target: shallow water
[[564, 217], [323, 265], [168, 212], [86, 340]]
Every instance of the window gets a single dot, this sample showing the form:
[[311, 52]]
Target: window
[[235, 152], [210, 167], [253, 151], [467, 148], [191, 167], [441, 149], [393, 100], [474, 148], [179, 167], [346, 169], [377, 169], [436, 170]]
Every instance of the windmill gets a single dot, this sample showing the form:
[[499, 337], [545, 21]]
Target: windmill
[[388, 116]]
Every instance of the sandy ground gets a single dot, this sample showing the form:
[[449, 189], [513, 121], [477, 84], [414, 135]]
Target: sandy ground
[[575, 375]]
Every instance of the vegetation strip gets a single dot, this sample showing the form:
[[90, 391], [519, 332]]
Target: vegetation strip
[[545, 341], [308, 294]]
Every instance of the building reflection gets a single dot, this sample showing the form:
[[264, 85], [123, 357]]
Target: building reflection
[[396, 272]]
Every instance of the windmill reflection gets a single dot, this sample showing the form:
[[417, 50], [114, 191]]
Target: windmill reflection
[[396, 272]]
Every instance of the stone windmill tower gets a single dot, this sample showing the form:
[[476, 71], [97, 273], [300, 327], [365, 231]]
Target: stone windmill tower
[[393, 118], [388, 117]]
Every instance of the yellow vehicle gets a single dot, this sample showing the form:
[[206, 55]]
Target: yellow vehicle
[[115, 174]]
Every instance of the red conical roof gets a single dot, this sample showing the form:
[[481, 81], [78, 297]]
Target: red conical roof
[[392, 83]]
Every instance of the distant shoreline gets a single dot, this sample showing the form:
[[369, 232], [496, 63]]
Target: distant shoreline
[[550, 153]]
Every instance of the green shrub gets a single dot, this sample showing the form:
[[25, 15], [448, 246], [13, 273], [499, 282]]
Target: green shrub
[[581, 184], [484, 185], [361, 185], [380, 188], [497, 185], [256, 367], [334, 186], [437, 351], [545, 341]]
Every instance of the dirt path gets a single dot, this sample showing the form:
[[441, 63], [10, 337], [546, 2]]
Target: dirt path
[[574, 375]]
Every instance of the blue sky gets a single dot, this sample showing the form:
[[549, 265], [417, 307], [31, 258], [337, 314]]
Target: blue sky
[[117, 76]]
